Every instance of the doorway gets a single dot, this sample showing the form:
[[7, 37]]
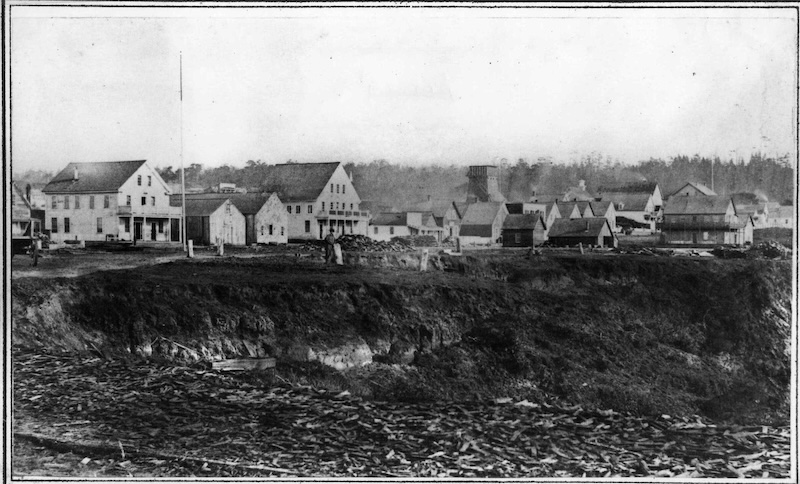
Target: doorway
[[137, 230]]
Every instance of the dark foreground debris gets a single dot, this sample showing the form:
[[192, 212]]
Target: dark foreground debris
[[171, 421]]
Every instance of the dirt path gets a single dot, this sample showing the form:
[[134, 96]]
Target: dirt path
[[138, 419]]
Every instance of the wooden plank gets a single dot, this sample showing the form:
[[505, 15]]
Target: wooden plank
[[244, 364]]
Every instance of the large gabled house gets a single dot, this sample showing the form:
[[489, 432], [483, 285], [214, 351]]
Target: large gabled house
[[705, 220], [113, 200], [483, 223], [317, 197], [693, 189], [633, 210], [211, 221], [387, 225]]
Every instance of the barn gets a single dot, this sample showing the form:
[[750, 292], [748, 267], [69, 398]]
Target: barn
[[209, 220]]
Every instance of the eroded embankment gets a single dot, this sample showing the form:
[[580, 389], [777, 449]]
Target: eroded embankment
[[639, 334]]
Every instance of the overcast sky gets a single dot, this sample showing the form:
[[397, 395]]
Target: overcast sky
[[464, 86]]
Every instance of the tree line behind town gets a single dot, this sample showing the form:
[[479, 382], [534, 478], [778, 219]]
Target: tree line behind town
[[390, 184]]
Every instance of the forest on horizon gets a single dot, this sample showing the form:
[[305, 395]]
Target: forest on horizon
[[395, 185]]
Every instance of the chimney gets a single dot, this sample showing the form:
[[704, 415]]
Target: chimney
[[75, 173], [28, 192]]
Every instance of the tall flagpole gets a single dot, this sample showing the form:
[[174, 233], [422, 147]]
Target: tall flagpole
[[183, 171]]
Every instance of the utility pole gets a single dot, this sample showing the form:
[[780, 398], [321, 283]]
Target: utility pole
[[183, 170]]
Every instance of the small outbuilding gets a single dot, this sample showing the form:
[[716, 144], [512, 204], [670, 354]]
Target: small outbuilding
[[210, 220], [587, 231], [524, 230]]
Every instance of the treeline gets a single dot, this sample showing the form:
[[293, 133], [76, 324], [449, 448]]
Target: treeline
[[395, 185]]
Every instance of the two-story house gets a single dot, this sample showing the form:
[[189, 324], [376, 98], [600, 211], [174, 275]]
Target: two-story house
[[114, 200], [704, 220], [483, 223], [317, 197]]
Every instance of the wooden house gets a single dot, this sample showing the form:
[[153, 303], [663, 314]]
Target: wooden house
[[692, 189], [524, 230], [587, 231], [704, 220], [569, 210], [445, 213], [387, 225], [317, 197], [607, 211], [483, 223], [116, 200], [210, 220], [782, 216]]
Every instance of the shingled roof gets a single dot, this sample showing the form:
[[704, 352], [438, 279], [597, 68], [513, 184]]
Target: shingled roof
[[104, 176], [481, 213], [523, 221], [204, 207], [711, 205], [390, 218], [578, 227], [298, 182], [247, 203], [697, 186], [628, 201], [600, 208]]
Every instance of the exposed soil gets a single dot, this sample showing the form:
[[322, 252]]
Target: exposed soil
[[643, 335]]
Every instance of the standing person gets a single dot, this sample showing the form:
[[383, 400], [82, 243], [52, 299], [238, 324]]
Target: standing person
[[330, 239]]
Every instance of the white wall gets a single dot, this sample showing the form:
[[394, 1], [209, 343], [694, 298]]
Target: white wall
[[227, 223], [272, 213]]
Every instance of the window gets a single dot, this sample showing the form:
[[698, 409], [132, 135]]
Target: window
[[310, 209], [54, 225], [270, 230], [337, 188], [153, 201], [331, 187], [53, 202], [139, 180], [77, 202], [144, 201], [705, 235], [149, 181], [289, 208], [342, 189], [107, 201], [91, 201], [66, 225], [376, 230], [99, 225], [517, 238], [160, 226], [126, 222], [66, 202], [128, 201], [281, 231], [694, 218], [391, 230], [262, 230], [351, 206], [323, 206], [297, 209], [308, 226]]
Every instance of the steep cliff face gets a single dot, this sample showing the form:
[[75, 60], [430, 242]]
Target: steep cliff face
[[643, 334]]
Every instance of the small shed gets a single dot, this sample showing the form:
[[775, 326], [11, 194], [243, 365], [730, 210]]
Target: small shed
[[524, 230], [208, 220], [587, 231]]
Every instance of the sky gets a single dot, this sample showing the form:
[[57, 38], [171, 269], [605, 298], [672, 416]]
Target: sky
[[412, 86]]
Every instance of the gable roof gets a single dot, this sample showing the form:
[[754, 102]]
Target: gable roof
[[635, 187], [203, 207], [523, 221], [600, 209], [438, 207], [577, 194], [298, 182], [482, 213], [566, 209], [697, 186], [390, 218], [103, 176], [545, 197], [564, 227], [247, 203], [697, 205], [628, 201]]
